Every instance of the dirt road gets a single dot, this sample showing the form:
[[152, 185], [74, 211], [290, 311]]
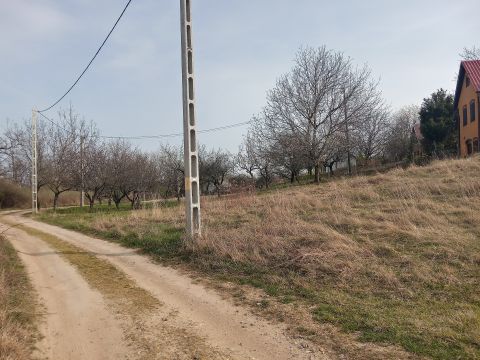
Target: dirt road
[[192, 322]]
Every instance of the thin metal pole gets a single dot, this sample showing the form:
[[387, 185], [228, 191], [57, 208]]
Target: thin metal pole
[[192, 180], [34, 164]]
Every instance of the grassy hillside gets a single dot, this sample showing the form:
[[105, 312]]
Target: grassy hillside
[[394, 257], [17, 307]]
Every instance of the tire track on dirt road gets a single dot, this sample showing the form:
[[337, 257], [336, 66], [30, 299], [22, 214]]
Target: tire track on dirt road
[[191, 307], [72, 310]]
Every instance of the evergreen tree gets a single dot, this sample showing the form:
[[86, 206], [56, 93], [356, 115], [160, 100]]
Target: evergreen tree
[[437, 123]]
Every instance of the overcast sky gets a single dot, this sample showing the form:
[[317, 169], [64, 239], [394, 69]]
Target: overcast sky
[[241, 48]]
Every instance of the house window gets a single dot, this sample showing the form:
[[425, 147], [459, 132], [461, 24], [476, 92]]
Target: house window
[[472, 111], [467, 81], [465, 116], [469, 147]]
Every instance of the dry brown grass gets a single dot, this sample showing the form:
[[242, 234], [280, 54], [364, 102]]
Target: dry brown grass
[[393, 257], [362, 226], [17, 307]]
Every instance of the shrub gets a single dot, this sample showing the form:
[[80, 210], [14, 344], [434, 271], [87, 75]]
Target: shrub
[[13, 196]]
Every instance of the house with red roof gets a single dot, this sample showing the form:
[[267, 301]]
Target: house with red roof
[[467, 103]]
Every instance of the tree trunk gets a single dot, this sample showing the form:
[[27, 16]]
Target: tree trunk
[[55, 201], [117, 203], [330, 166], [317, 174], [292, 177]]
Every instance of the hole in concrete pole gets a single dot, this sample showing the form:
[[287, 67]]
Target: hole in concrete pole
[[190, 62], [193, 141], [194, 167], [196, 218], [190, 88], [187, 10], [195, 193], [191, 109], [189, 37]]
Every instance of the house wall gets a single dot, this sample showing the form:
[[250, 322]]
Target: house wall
[[471, 130]]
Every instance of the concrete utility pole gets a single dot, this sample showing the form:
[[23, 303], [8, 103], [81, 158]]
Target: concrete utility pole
[[34, 163], [82, 169], [192, 179]]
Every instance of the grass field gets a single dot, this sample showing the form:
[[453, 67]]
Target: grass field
[[393, 258], [17, 307]]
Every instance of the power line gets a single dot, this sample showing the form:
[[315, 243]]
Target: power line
[[147, 137], [153, 137], [91, 61], [54, 123]]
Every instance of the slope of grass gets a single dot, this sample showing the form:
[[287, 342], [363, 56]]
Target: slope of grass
[[394, 257], [17, 307]]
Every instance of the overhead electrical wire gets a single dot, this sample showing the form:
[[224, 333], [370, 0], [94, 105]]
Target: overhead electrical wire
[[147, 137], [154, 137], [143, 137], [54, 123], [91, 61]]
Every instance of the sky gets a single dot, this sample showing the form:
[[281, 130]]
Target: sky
[[241, 48]]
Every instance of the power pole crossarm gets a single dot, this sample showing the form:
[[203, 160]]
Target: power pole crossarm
[[192, 180]]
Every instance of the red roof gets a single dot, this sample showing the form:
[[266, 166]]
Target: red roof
[[473, 71], [470, 68]]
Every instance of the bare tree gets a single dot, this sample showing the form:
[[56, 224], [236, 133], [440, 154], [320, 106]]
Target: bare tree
[[336, 150], [130, 173], [20, 155], [288, 161], [8, 163], [95, 171], [246, 159], [5, 145], [261, 150], [399, 138], [142, 177], [215, 166], [364, 100], [307, 102], [171, 171], [61, 150], [119, 159], [472, 53], [370, 134]]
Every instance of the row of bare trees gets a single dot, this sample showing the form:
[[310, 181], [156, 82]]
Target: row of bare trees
[[72, 156], [325, 110]]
